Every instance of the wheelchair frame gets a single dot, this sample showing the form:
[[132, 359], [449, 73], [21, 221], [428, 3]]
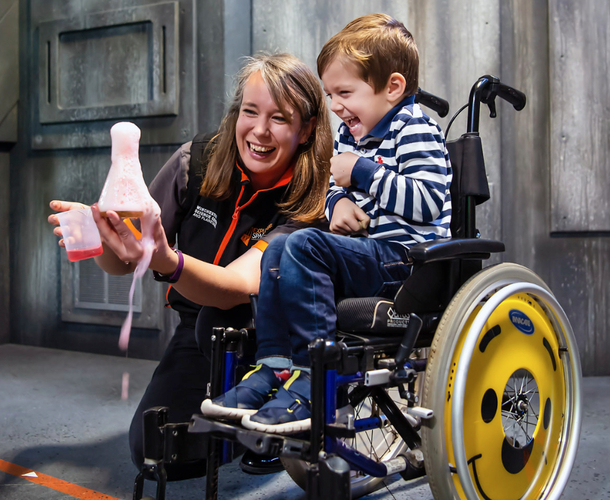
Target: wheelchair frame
[[458, 302]]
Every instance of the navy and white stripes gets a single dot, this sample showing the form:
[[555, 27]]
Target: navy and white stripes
[[401, 179]]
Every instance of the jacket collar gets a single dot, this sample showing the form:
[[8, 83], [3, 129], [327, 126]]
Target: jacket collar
[[282, 181], [383, 126]]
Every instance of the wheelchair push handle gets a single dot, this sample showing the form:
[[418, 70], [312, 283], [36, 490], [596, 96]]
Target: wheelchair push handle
[[512, 95], [485, 91], [435, 103]]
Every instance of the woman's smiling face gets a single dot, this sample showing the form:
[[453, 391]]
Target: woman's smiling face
[[266, 140]]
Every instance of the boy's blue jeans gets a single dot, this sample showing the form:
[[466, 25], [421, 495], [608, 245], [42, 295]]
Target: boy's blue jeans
[[305, 273]]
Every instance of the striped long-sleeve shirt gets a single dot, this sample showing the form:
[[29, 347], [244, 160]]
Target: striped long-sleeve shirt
[[402, 177]]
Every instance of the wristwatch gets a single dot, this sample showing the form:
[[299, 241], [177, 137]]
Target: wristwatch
[[175, 276]]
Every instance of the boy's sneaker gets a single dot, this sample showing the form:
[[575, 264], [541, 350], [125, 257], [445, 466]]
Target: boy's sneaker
[[289, 410], [254, 390]]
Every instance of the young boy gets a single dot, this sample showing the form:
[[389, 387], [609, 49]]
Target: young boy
[[389, 190]]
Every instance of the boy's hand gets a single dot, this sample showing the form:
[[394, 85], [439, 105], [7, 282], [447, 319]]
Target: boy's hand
[[341, 167], [348, 218]]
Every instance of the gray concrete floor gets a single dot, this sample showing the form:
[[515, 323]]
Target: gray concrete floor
[[62, 414]]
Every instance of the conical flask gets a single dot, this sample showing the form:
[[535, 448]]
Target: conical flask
[[124, 191]]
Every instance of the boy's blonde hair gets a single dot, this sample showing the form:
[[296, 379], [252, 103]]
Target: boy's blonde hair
[[290, 83], [378, 45]]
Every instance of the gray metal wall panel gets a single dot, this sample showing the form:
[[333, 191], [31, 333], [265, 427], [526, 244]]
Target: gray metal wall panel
[[109, 65], [575, 267], [525, 136], [580, 122], [579, 279], [8, 126], [9, 90], [9, 59], [5, 238], [88, 134], [223, 39]]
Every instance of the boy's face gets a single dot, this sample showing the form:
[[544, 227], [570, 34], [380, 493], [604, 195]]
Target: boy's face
[[352, 99]]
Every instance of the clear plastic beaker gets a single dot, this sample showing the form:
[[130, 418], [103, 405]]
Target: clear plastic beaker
[[81, 236]]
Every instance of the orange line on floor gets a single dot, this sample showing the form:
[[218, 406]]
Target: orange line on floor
[[53, 483]]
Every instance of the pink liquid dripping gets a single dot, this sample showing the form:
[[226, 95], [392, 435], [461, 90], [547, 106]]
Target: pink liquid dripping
[[84, 253], [151, 214]]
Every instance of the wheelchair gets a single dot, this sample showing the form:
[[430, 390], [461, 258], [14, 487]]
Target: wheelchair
[[470, 376]]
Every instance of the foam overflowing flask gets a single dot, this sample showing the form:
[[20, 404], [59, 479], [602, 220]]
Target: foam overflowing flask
[[125, 193]]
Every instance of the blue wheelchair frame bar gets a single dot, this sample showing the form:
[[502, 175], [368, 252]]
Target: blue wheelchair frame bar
[[228, 383], [325, 355], [354, 458]]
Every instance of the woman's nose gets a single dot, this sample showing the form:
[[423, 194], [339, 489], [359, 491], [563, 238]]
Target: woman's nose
[[261, 127]]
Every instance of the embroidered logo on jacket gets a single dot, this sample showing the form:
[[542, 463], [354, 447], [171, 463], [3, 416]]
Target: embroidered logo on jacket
[[206, 215], [255, 233]]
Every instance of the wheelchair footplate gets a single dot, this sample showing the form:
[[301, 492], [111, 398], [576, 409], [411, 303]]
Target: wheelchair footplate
[[256, 441], [327, 474]]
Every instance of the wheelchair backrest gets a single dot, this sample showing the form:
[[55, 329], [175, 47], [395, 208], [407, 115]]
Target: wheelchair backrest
[[469, 180]]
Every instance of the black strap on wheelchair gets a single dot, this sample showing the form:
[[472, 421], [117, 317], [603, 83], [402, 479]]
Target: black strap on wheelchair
[[469, 186]]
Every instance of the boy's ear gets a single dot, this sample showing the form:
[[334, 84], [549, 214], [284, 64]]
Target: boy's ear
[[395, 87]]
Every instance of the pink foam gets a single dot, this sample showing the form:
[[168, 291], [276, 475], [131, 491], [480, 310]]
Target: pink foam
[[124, 189]]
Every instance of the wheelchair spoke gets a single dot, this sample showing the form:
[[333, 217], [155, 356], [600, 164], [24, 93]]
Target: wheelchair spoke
[[385, 438], [520, 408], [374, 443]]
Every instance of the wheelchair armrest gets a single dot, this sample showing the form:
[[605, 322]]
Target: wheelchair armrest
[[454, 248]]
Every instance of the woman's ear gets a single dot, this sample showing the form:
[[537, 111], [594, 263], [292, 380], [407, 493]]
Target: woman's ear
[[396, 87], [307, 129]]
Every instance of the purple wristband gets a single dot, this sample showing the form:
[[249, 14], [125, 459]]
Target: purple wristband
[[175, 276]]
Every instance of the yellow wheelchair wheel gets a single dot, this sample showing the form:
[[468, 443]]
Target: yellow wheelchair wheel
[[503, 380]]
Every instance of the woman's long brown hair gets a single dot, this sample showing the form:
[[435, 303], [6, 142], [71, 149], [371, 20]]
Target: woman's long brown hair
[[290, 83]]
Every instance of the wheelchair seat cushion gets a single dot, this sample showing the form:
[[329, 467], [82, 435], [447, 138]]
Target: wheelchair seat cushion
[[373, 316], [254, 390]]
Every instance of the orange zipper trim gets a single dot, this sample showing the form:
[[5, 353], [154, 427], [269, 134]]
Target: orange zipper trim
[[235, 219], [285, 179]]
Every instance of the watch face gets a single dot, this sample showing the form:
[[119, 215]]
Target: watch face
[[162, 277]]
